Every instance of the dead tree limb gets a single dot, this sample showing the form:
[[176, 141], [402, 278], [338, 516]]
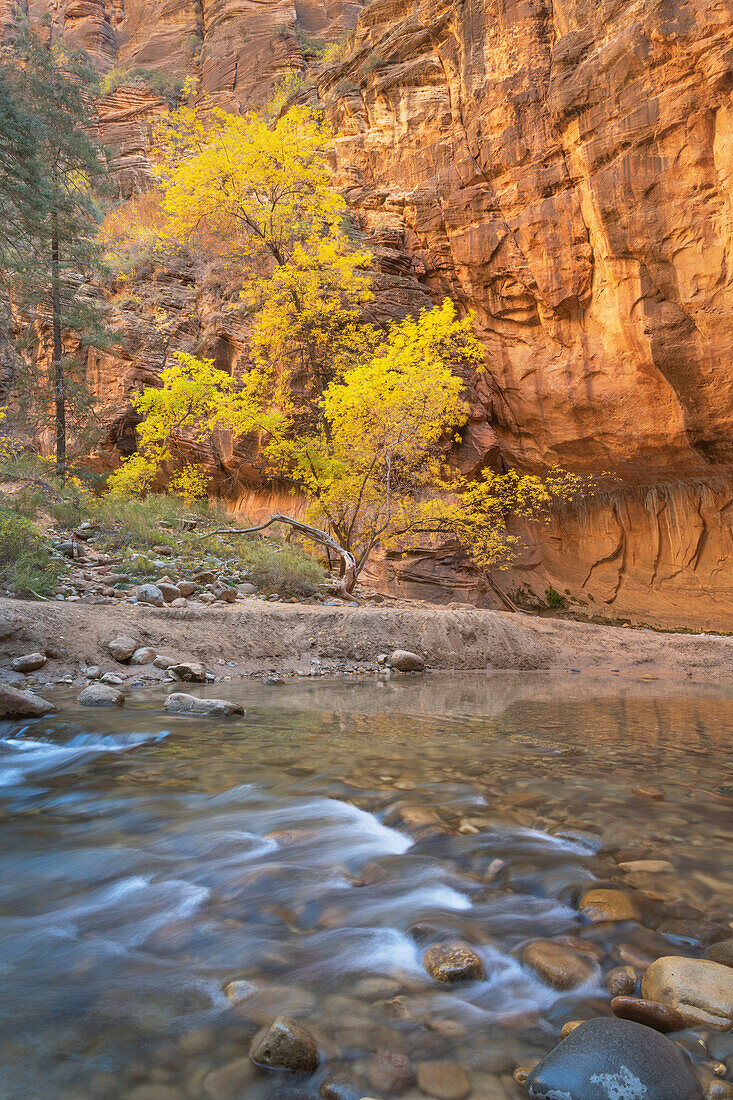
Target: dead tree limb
[[346, 584]]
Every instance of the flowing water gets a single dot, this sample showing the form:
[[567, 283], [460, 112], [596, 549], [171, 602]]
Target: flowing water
[[316, 848]]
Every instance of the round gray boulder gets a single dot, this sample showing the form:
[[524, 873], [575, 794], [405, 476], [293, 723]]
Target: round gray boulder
[[610, 1059]]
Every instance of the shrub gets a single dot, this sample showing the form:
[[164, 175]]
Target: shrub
[[554, 600], [285, 569], [168, 87], [25, 563]]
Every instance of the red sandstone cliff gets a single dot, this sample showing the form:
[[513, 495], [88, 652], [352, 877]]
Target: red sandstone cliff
[[565, 169]]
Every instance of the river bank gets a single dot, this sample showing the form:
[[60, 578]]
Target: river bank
[[253, 638]]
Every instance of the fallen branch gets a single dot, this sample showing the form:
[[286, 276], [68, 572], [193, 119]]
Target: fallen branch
[[345, 586]]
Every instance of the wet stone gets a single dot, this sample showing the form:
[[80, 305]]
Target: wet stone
[[559, 966], [621, 981], [652, 1013], [453, 962], [285, 1045], [700, 990], [22, 704], [231, 1081], [390, 1071], [444, 1080], [609, 905], [101, 695], [611, 1059], [721, 952], [181, 703]]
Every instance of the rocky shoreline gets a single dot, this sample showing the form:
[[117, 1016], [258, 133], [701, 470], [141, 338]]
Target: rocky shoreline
[[244, 639]]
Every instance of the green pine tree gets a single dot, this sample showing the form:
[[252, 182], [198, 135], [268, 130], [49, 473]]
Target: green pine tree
[[49, 251]]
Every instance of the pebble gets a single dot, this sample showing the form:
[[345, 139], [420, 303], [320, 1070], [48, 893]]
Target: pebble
[[621, 981], [231, 1081], [721, 952], [181, 703], [122, 647], [405, 661], [93, 672], [700, 990], [444, 1080], [22, 704], [609, 905], [101, 695], [568, 1027], [650, 866], [652, 1013], [390, 1071], [285, 1045], [453, 962], [559, 966], [112, 679], [29, 662], [611, 1059]]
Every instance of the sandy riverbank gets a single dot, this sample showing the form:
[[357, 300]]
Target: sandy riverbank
[[261, 637]]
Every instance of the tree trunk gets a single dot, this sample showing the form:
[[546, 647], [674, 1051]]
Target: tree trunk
[[348, 561], [57, 364]]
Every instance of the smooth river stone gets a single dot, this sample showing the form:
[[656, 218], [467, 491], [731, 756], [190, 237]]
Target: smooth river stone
[[700, 990], [443, 1080], [610, 1059], [559, 966], [453, 962], [609, 905], [652, 1013], [721, 952]]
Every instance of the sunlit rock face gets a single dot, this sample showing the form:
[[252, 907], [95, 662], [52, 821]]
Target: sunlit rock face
[[564, 168]]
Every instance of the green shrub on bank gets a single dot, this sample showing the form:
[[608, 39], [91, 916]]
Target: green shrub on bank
[[25, 563], [282, 568]]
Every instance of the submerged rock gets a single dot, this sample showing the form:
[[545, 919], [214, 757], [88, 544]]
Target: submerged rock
[[652, 1013], [22, 704], [609, 905], [181, 703], [122, 648], [444, 1080], [101, 695], [286, 1045], [610, 1059], [29, 662], [701, 990], [721, 952], [559, 966], [453, 962], [405, 661], [390, 1071]]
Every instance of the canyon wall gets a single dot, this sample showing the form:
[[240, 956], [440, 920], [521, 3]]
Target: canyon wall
[[564, 169]]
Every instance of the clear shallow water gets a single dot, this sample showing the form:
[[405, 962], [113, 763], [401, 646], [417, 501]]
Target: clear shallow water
[[316, 848]]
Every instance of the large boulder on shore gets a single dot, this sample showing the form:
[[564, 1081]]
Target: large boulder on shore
[[122, 647], [22, 704], [701, 990], [181, 703], [29, 662], [405, 661], [610, 1059]]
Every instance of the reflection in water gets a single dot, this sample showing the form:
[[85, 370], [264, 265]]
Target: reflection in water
[[311, 853]]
